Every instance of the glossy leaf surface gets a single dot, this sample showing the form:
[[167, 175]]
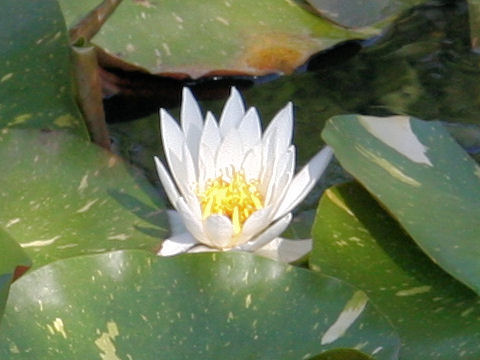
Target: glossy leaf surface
[[359, 13], [219, 36], [11, 257], [131, 304], [35, 75], [355, 240], [423, 177], [67, 197]]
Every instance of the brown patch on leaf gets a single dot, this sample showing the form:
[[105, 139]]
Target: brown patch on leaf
[[19, 271], [277, 52]]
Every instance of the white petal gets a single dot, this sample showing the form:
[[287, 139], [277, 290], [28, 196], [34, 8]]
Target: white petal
[[176, 223], [209, 143], [192, 122], [286, 250], [202, 248], [192, 222], [249, 129], [282, 125], [268, 235], [219, 230], [282, 166], [255, 223], [172, 136], [206, 167], [230, 152], [252, 163], [283, 180], [232, 113], [167, 182], [177, 244], [194, 206], [182, 177], [268, 161], [304, 181], [191, 177], [210, 137]]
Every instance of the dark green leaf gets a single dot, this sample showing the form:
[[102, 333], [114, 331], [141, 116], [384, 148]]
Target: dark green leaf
[[254, 37], [359, 13], [35, 74], [11, 257], [355, 240], [133, 305], [63, 196], [423, 177]]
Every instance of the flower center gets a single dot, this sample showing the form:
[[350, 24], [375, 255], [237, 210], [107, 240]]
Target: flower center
[[236, 198]]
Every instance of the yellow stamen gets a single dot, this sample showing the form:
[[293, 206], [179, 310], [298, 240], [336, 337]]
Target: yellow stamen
[[236, 198]]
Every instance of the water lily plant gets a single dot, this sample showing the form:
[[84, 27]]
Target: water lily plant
[[232, 187]]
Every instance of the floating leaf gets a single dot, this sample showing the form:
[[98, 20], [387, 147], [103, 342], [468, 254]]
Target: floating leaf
[[35, 77], [131, 304], [12, 258], [355, 240], [423, 177], [228, 37], [63, 196], [360, 13]]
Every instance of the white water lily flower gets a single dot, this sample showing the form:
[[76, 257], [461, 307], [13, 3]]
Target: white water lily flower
[[232, 187]]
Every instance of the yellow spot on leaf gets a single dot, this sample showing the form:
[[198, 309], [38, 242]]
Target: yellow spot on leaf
[[83, 183], [87, 206], [338, 201], [414, 291], [105, 342], [6, 77], [388, 167], [20, 119], [38, 243], [145, 3], [66, 120], [59, 327], [352, 310], [477, 170], [112, 161], [248, 301]]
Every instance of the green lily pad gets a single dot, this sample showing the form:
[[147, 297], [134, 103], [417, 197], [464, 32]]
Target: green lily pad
[[425, 180], [225, 37], [355, 240], [63, 196], [360, 13], [134, 305], [12, 257], [35, 77]]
